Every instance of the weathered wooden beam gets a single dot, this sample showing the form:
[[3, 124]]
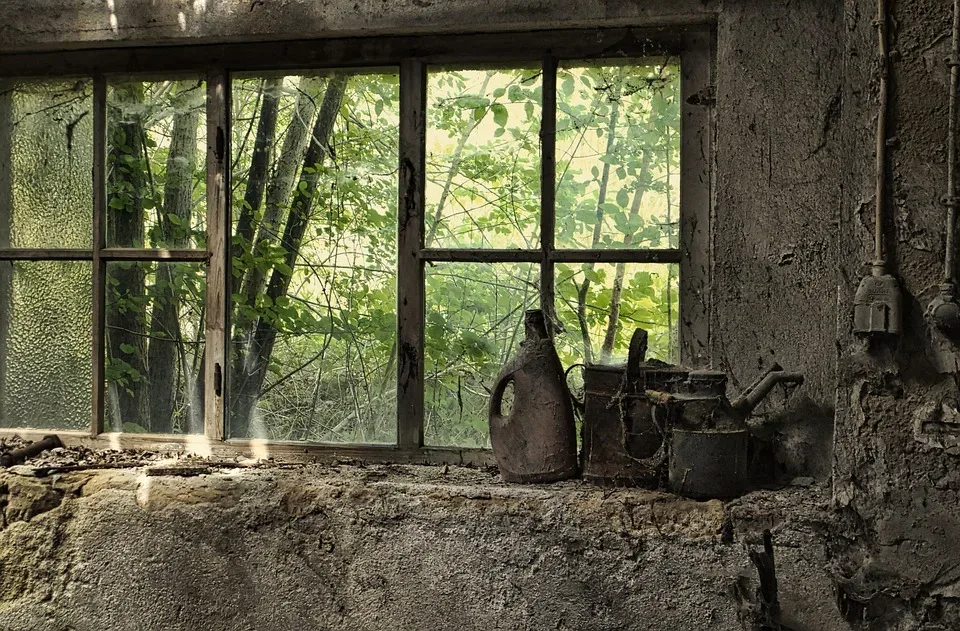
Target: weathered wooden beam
[[350, 52], [99, 227], [410, 279], [147, 254], [616, 256], [45, 254], [218, 222], [548, 188], [451, 255]]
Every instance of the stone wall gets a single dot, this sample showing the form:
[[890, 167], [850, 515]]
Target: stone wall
[[389, 548]]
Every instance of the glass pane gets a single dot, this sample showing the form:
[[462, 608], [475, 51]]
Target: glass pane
[[154, 347], [483, 158], [474, 324], [618, 155], [600, 305], [46, 157], [156, 164], [45, 344], [314, 347]]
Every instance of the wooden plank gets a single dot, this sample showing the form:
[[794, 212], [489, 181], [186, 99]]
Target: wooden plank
[[696, 197], [45, 254], [280, 450], [410, 280], [616, 256], [548, 184], [147, 254], [439, 255], [98, 358], [349, 52], [218, 222], [479, 256]]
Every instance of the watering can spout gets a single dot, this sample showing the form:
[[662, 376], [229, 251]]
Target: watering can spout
[[756, 393]]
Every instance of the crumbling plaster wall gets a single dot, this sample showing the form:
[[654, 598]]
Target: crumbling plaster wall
[[795, 116], [895, 473]]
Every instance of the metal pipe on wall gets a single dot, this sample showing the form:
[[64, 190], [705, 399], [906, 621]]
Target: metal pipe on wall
[[878, 303], [944, 310], [950, 199]]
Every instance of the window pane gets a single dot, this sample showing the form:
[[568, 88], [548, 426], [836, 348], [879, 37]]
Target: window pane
[[156, 157], [590, 297], [154, 347], [314, 347], [46, 157], [45, 344], [483, 158], [618, 155], [474, 324]]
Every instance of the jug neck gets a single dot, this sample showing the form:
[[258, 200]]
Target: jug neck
[[535, 324]]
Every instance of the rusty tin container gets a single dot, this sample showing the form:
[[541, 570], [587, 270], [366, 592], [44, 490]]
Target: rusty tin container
[[623, 440]]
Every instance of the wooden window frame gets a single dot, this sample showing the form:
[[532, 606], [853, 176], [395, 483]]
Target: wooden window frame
[[693, 45]]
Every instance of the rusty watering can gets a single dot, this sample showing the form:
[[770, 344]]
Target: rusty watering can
[[623, 431], [708, 437], [536, 441]]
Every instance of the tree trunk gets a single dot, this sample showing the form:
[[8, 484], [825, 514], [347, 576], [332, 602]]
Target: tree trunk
[[613, 322], [249, 379], [165, 334], [125, 281], [584, 289], [279, 190], [257, 176], [434, 223]]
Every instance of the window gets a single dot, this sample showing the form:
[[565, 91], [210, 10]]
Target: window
[[327, 247]]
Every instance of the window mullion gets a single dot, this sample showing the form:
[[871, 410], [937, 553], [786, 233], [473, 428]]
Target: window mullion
[[410, 280], [548, 142], [99, 241], [218, 222]]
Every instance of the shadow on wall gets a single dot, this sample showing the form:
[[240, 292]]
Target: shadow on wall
[[795, 442]]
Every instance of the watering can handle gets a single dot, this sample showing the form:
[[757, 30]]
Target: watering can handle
[[637, 355], [580, 406], [496, 399]]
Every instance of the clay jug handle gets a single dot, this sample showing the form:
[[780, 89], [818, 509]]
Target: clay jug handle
[[580, 406], [496, 399]]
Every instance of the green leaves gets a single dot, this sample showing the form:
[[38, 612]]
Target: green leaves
[[499, 114]]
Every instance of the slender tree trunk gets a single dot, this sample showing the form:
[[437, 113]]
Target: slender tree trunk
[[6, 205], [125, 282], [259, 165], [584, 290], [249, 380], [165, 335], [434, 223], [279, 189], [613, 321]]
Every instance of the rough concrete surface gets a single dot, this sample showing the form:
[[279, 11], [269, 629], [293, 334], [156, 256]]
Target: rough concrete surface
[[55, 23], [390, 547]]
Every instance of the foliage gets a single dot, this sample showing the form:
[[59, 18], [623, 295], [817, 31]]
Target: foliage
[[315, 254]]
